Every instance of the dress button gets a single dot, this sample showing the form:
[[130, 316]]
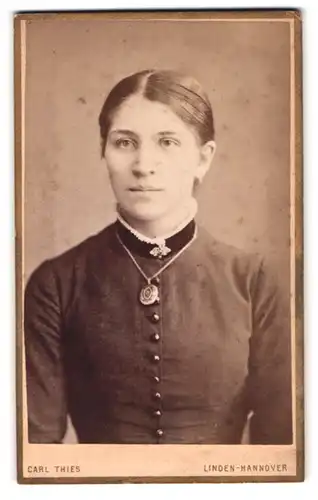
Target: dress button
[[157, 413], [157, 395], [156, 379], [156, 358], [155, 337], [159, 432], [155, 318]]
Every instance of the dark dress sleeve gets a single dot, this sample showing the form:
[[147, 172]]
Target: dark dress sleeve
[[270, 389], [46, 399]]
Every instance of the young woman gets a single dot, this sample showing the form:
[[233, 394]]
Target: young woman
[[151, 331]]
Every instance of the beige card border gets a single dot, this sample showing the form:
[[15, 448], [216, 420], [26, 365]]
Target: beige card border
[[296, 150]]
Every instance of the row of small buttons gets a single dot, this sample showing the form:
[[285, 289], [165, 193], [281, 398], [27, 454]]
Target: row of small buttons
[[155, 358]]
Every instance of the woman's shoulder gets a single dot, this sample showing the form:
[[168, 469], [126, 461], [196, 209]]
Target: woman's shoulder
[[226, 253], [73, 259], [248, 269]]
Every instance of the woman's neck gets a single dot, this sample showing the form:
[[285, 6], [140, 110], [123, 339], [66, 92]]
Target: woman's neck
[[166, 226]]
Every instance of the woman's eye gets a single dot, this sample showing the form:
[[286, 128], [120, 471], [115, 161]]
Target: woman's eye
[[124, 144], [168, 143]]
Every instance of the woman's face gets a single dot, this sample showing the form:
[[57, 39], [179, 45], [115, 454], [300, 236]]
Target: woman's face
[[153, 158]]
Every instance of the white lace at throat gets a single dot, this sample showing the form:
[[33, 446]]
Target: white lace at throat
[[161, 240]]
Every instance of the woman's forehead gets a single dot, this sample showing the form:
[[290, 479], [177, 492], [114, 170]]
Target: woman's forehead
[[141, 115]]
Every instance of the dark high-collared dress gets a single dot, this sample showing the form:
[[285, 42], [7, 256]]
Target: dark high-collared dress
[[187, 369]]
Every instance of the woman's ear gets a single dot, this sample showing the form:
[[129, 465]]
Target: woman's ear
[[206, 156]]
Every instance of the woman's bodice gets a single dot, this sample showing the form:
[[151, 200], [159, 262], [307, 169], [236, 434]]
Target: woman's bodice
[[188, 369]]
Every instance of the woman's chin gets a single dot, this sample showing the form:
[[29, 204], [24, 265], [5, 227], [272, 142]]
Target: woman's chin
[[145, 214]]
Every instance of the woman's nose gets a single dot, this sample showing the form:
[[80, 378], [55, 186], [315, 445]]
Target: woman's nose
[[145, 161]]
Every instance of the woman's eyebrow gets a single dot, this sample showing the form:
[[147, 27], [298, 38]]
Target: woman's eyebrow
[[167, 132], [124, 131]]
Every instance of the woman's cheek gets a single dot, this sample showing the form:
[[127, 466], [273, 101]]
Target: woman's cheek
[[118, 180], [119, 162]]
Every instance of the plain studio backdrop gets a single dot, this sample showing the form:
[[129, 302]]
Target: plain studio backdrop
[[244, 67]]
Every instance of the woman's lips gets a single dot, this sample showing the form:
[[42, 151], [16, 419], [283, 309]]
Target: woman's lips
[[144, 189], [150, 194]]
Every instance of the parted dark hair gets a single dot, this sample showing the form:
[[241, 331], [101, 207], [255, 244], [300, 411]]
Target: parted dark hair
[[182, 93]]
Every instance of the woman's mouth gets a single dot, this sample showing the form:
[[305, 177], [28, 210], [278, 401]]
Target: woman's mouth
[[144, 189]]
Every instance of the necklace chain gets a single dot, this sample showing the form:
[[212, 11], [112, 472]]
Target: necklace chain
[[150, 278]]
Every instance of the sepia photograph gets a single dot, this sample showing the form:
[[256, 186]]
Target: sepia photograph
[[159, 246]]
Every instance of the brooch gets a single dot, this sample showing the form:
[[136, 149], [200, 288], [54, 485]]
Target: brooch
[[160, 251]]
